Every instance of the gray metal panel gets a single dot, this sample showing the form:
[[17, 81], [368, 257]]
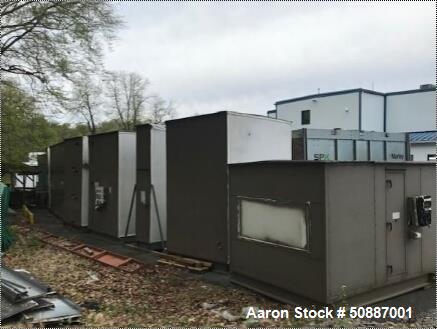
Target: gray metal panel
[[57, 179], [103, 152], [413, 247], [395, 217], [321, 149], [197, 187], [299, 272], [383, 146], [73, 181], [377, 151], [345, 150], [33, 287], [43, 172], [350, 232], [428, 187], [360, 207], [395, 151], [63, 309], [361, 150], [143, 183], [352, 235]]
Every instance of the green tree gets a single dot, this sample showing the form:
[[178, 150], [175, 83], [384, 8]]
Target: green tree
[[109, 125], [51, 41], [24, 129]]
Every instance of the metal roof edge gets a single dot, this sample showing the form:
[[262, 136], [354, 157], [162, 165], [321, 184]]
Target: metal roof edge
[[348, 91]]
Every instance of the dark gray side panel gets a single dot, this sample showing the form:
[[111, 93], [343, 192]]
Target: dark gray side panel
[[43, 175], [143, 184], [73, 180], [197, 187], [103, 153], [299, 272], [57, 179]]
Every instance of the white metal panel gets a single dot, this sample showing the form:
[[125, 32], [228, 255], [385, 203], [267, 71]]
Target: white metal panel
[[372, 112], [126, 181], [256, 138], [421, 151], [158, 173], [411, 112], [28, 178], [273, 224], [328, 112], [85, 182]]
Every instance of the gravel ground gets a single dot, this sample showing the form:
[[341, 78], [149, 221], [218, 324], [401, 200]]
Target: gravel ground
[[159, 295]]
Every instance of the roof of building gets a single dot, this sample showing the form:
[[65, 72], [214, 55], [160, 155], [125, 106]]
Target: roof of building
[[348, 91], [423, 137]]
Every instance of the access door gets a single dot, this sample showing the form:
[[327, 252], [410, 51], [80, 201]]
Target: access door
[[395, 222]]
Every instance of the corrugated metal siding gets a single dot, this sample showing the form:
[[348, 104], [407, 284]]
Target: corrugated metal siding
[[423, 137]]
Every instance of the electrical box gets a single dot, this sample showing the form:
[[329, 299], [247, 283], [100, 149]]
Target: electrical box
[[419, 209]]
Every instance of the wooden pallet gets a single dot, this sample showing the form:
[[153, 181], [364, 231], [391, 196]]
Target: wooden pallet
[[183, 262]]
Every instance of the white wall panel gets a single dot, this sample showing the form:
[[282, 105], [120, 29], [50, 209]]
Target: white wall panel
[[372, 112], [411, 112], [159, 181], [420, 151], [337, 111], [126, 181], [256, 138]]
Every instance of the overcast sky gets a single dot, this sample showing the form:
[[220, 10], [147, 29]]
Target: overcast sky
[[245, 56]]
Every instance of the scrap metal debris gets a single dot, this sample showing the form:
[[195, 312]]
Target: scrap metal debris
[[100, 255], [22, 294]]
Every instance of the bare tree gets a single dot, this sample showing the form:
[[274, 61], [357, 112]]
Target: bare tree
[[86, 100], [159, 110], [127, 97]]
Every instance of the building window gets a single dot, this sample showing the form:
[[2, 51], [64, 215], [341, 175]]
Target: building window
[[306, 117]]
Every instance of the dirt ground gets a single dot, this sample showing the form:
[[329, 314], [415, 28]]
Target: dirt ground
[[158, 295]]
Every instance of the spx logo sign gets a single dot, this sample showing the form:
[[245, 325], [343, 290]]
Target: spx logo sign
[[321, 156]]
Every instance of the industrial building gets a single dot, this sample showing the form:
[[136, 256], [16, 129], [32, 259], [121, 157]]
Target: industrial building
[[151, 191], [364, 110], [112, 177], [423, 145], [199, 150], [316, 231]]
